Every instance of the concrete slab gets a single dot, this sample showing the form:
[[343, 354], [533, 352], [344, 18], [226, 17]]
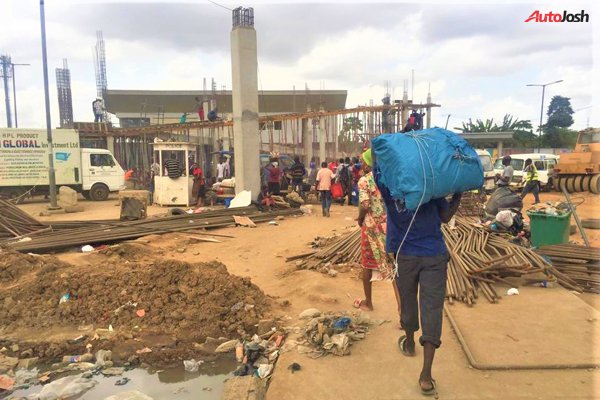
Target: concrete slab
[[539, 327]]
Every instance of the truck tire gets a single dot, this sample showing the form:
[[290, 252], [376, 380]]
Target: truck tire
[[86, 194], [571, 184], [595, 184], [549, 186], [99, 192], [585, 184], [577, 183]]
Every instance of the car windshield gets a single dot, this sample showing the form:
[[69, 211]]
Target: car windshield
[[486, 161], [515, 163]]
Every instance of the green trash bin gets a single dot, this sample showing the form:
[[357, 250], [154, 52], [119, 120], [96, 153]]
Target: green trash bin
[[549, 229]]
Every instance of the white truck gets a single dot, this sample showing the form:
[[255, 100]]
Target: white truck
[[24, 165]]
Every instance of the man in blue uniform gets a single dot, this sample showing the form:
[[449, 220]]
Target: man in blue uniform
[[417, 243]]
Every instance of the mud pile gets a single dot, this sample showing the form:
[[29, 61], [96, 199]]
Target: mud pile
[[14, 265], [186, 300]]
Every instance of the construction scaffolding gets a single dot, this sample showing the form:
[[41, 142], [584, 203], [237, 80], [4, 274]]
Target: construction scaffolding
[[65, 100], [100, 69], [314, 135]]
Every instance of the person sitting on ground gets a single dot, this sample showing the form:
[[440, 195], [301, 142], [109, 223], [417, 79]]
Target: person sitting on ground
[[172, 167], [324, 178], [421, 258], [298, 171], [372, 222], [507, 173], [532, 181]]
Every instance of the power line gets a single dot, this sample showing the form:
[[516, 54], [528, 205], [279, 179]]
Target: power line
[[220, 5]]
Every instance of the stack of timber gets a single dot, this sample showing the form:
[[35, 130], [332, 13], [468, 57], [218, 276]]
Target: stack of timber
[[15, 223], [103, 232], [343, 249], [579, 263], [480, 259]]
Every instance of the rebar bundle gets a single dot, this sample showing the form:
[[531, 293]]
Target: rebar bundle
[[479, 259], [15, 223], [107, 232], [579, 263], [343, 249]]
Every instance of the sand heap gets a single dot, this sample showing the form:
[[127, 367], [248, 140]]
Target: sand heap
[[191, 300]]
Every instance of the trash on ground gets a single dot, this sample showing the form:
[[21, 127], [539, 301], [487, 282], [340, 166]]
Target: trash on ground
[[512, 291], [65, 388], [294, 367], [192, 365], [87, 249]]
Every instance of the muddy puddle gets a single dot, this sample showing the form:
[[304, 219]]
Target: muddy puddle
[[206, 384]]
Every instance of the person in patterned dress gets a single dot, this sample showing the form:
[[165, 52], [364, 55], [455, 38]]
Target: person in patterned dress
[[372, 221]]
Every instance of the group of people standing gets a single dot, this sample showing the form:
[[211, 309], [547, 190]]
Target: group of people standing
[[346, 173], [406, 248]]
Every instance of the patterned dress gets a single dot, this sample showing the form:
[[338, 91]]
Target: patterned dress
[[372, 238]]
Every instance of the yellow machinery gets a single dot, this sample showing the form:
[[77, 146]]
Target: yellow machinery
[[579, 171]]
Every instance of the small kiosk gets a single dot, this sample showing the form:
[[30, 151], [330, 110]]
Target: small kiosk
[[174, 191]]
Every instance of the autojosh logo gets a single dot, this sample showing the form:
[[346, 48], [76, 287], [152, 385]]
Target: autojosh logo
[[565, 16]]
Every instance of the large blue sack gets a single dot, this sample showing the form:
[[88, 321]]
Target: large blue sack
[[429, 164]]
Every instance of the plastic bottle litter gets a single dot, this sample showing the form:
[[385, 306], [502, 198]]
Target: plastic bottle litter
[[75, 359], [64, 298]]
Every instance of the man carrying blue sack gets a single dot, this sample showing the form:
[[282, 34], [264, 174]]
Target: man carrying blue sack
[[416, 242]]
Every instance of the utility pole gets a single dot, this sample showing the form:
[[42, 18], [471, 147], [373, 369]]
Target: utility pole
[[542, 107], [51, 175]]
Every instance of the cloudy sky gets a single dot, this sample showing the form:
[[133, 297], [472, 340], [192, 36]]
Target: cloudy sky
[[477, 56]]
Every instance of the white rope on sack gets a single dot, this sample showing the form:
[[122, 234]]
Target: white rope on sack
[[421, 144]]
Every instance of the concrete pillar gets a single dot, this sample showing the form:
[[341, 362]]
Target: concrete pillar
[[206, 107], [322, 140], [244, 67], [307, 138], [428, 116], [404, 114], [500, 148], [110, 143]]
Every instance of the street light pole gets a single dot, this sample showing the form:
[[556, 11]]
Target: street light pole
[[542, 108], [51, 174]]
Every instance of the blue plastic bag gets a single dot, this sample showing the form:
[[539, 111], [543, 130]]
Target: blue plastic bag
[[429, 164]]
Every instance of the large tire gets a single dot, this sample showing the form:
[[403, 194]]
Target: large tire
[[570, 186], [595, 184], [585, 183], [562, 182], [86, 194], [99, 192], [577, 183]]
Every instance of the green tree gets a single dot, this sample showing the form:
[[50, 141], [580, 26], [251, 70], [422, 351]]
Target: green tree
[[560, 118], [560, 113], [522, 129], [348, 137]]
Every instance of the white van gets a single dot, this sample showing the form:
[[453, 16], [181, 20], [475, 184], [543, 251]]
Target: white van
[[489, 175], [543, 162]]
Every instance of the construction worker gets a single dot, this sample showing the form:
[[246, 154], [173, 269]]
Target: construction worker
[[532, 181]]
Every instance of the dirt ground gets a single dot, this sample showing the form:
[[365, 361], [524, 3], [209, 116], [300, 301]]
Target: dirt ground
[[375, 369]]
